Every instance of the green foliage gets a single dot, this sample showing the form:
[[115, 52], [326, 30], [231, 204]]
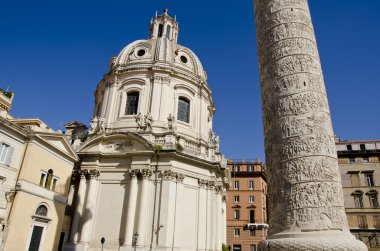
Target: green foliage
[[157, 148], [179, 147], [224, 247]]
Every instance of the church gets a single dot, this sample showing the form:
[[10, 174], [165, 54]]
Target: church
[[151, 176]]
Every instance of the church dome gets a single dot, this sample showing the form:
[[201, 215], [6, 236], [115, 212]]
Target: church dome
[[161, 48], [158, 89]]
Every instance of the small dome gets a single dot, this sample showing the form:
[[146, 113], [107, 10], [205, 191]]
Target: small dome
[[160, 48]]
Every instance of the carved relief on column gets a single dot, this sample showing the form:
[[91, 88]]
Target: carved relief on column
[[304, 184]]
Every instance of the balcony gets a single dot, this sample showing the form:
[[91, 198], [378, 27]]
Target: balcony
[[257, 226]]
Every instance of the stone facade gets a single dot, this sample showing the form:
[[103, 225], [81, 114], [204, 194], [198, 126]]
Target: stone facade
[[360, 169], [246, 205], [306, 204], [151, 174]]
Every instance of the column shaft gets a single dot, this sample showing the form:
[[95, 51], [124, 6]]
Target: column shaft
[[202, 215], [89, 209], [178, 233], [305, 192], [131, 210], [74, 232], [144, 210]]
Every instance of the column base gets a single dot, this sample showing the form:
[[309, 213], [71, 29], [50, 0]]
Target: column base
[[317, 241]]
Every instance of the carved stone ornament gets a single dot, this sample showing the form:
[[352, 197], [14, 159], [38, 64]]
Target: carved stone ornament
[[224, 198], [82, 173], [180, 177], [202, 183], [304, 185], [133, 173], [146, 173], [94, 174], [218, 189], [171, 122], [93, 125], [169, 175], [210, 184]]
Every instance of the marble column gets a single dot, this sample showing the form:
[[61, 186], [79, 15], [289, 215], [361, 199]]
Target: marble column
[[131, 210], [74, 232], [167, 211], [305, 193], [144, 209], [202, 218], [210, 214], [224, 217], [218, 215], [178, 232], [89, 209]]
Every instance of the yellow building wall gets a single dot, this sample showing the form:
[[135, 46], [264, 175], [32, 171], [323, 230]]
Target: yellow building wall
[[38, 159], [21, 223]]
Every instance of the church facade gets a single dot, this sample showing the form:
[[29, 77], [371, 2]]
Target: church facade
[[151, 176]]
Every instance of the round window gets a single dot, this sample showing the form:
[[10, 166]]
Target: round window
[[141, 53], [184, 59]]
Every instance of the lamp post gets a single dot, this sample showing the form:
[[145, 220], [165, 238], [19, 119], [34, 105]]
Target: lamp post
[[102, 240], [135, 236]]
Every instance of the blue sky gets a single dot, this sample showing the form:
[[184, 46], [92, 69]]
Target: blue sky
[[54, 53]]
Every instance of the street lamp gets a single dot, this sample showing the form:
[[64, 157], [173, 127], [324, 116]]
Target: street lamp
[[102, 240], [135, 236]]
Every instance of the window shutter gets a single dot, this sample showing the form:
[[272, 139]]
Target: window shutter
[[9, 156]]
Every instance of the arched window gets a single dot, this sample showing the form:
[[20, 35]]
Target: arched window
[[42, 210], [132, 103], [358, 199], [168, 31], [372, 196], [160, 30], [183, 110]]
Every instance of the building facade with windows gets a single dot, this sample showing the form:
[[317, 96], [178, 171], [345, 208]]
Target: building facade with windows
[[360, 169], [36, 164], [246, 206], [151, 174]]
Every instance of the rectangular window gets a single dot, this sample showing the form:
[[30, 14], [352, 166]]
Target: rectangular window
[[237, 247], [362, 221], [354, 179], [349, 147], [362, 146], [236, 233], [358, 200], [6, 152], [351, 160], [237, 215], [250, 169], [369, 179], [236, 185], [35, 240], [251, 216], [236, 198], [251, 184], [376, 221], [373, 200], [252, 232], [236, 168], [251, 199], [365, 160], [253, 247]]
